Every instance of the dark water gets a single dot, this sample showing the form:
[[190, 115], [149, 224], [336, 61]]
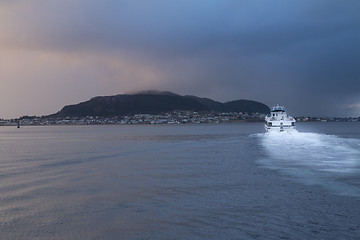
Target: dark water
[[180, 182]]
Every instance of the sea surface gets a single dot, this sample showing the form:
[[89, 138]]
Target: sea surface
[[227, 181]]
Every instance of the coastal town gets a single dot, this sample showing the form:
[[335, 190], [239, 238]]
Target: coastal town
[[175, 117]]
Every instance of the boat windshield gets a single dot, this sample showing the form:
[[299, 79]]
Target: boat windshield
[[278, 108]]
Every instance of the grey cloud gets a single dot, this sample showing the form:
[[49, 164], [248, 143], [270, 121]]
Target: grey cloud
[[228, 49]]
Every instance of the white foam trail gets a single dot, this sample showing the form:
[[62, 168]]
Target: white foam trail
[[314, 158]]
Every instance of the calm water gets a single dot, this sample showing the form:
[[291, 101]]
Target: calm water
[[180, 182]]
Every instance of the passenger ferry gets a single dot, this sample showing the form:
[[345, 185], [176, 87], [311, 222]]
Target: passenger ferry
[[279, 120]]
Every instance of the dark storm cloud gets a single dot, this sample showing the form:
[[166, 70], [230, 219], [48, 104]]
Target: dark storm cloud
[[303, 54]]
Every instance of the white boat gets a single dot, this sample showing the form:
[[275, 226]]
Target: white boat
[[279, 121]]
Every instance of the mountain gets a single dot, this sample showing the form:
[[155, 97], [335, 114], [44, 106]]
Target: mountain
[[155, 102], [209, 103], [248, 106]]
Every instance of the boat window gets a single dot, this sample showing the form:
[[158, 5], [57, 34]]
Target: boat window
[[270, 124]]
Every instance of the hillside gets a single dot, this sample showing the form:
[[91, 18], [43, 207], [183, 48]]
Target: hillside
[[154, 102]]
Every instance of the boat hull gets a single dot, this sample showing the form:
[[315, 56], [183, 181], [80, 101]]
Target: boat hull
[[279, 128]]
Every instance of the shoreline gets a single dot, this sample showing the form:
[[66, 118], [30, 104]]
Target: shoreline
[[161, 124]]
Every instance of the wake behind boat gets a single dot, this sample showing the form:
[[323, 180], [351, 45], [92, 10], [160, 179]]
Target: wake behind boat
[[279, 121]]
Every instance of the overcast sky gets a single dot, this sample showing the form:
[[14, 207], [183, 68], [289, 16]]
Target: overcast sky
[[304, 54]]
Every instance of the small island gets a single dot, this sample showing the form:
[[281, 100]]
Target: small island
[[150, 107], [155, 107]]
